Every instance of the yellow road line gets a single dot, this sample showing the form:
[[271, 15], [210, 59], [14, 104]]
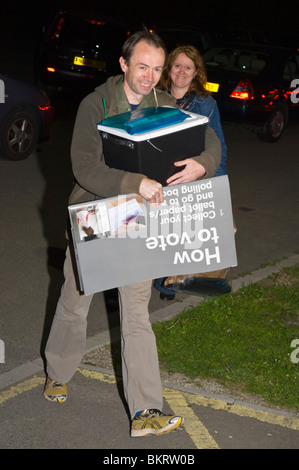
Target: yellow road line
[[245, 411], [20, 388], [180, 404], [194, 427], [93, 374]]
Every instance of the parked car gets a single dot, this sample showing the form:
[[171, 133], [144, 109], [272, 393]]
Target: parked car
[[79, 50], [255, 85], [237, 34], [26, 116]]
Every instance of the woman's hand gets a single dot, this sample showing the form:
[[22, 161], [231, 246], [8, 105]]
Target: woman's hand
[[191, 172]]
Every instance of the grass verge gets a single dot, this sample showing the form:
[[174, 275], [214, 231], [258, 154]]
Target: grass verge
[[244, 340]]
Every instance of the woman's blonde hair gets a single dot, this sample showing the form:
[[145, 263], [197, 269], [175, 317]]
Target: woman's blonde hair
[[199, 81]]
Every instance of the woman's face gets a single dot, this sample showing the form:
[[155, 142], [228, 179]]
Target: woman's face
[[182, 71]]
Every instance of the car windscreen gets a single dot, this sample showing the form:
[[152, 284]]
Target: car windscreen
[[236, 60]]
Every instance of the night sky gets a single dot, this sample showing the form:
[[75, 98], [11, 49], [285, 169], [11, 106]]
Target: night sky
[[262, 14], [21, 22]]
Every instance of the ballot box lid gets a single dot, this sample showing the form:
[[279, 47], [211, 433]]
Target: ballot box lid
[[147, 123]]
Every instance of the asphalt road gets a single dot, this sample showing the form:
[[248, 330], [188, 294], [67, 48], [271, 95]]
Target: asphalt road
[[34, 193]]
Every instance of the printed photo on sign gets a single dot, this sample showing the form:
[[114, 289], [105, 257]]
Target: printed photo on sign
[[108, 218]]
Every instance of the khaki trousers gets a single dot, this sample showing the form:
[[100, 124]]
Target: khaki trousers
[[140, 366]]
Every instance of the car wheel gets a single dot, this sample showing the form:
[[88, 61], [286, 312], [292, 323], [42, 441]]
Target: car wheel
[[274, 127], [19, 134]]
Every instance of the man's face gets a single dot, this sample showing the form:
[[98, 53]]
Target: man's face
[[143, 71]]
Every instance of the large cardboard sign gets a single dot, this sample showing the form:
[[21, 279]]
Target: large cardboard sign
[[123, 240]]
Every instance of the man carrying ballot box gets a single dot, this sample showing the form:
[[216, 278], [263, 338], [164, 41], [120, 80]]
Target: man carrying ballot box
[[142, 61]]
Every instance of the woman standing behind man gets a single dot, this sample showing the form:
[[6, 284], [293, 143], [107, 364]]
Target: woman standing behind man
[[185, 78]]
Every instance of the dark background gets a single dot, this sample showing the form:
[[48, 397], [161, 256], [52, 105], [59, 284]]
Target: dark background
[[21, 23], [263, 14]]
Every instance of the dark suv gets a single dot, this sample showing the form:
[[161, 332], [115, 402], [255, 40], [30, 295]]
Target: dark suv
[[79, 51]]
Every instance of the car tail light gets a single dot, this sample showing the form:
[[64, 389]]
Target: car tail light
[[96, 22], [56, 33], [44, 108], [47, 104], [243, 91]]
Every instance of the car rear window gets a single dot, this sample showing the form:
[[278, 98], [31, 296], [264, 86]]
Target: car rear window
[[236, 60], [291, 69]]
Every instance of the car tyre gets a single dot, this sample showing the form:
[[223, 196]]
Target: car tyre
[[275, 125], [19, 134]]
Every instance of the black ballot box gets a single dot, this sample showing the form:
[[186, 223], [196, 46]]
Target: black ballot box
[[150, 140]]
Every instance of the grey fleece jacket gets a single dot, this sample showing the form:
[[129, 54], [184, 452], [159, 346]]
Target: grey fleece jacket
[[93, 178]]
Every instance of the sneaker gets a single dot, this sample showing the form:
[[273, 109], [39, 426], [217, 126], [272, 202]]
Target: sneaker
[[154, 422], [55, 391]]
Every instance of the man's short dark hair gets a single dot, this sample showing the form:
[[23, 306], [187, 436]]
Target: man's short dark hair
[[144, 35]]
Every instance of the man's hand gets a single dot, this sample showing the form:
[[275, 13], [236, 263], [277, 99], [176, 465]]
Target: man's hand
[[152, 191], [191, 172]]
